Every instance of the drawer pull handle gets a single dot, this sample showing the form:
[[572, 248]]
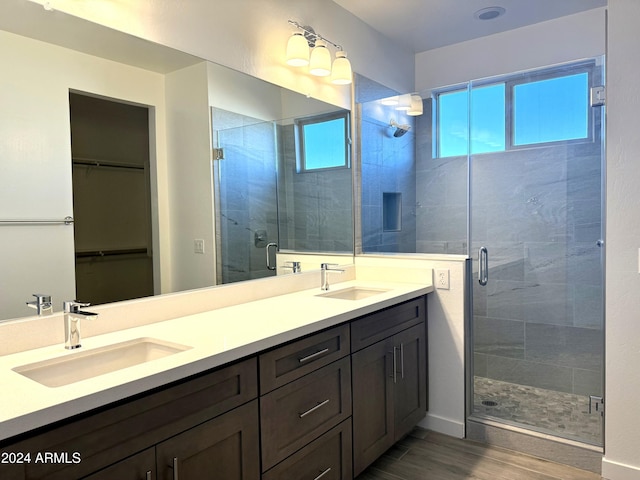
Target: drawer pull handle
[[395, 365], [313, 355], [313, 409], [149, 475], [402, 361], [323, 474]]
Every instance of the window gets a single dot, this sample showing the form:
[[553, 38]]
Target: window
[[513, 113], [323, 142]]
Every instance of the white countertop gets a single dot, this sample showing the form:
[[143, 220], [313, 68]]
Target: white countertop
[[216, 338]]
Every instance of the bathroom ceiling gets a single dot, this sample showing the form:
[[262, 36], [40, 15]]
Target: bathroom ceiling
[[421, 25]]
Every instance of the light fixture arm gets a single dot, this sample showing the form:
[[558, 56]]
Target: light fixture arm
[[312, 36]]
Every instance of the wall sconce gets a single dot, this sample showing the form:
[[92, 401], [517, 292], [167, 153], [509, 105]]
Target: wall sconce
[[319, 60]]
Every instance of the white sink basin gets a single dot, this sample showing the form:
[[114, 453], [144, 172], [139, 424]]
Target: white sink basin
[[91, 363], [353, 293]]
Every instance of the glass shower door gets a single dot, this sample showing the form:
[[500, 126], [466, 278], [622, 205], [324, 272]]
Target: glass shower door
[[536, 244], [246, 212]]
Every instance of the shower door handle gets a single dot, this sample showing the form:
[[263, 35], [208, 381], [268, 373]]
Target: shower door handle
[[269, 267], [483, 266]]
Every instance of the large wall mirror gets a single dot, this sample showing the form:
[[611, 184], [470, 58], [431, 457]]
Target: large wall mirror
[[198, 164]]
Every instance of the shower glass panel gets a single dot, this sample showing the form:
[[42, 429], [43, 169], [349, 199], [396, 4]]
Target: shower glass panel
[[245, 195], [536, 216]]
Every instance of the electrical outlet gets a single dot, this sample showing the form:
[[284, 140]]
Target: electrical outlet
[[442, 279], [198, 245]]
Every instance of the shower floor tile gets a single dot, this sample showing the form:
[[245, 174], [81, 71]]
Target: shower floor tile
[[557, 413]]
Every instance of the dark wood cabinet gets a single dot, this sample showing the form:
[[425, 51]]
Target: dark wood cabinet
[[105, 437], [389, 390], [330, 404], [138, 467], [225, 448], [327, 458], [297, 413]]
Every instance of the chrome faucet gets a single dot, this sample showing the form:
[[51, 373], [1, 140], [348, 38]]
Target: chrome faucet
[[42, 303], [72, 317], [325, 268], [296, 267]]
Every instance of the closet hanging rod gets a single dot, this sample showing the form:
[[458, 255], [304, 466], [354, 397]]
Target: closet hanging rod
[[109, 253], [105, 164], [65, 221]]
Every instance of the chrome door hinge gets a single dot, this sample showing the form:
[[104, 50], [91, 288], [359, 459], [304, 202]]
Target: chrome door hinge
[[218, 154], [597, 96], [596, 404]]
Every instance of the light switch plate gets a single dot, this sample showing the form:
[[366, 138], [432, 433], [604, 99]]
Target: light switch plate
[[198, 245]]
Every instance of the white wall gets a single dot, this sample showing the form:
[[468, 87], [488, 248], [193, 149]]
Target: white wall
[[189, 182], [35, 157], [251, 35], [556, 41], [622, 392]]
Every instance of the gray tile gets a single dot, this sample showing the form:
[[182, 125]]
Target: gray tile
[[493, 336], [550, 377], [564, 346]]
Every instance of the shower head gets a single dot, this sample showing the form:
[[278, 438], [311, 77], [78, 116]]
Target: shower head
[[400, 129]]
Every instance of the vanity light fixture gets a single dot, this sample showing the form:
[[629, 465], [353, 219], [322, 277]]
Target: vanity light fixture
[[319, 60], [416, 105], [390, 101], [404, 102]]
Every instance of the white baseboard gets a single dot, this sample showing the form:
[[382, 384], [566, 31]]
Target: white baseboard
[[443, 425], [617, 471]]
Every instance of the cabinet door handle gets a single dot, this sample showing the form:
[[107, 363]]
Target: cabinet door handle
[[323, 474], [313, 355], [395, 365], [402, 361], [313, 409], [174, 466], [149, 475]]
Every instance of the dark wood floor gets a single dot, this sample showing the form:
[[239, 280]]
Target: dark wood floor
[[428, 455]]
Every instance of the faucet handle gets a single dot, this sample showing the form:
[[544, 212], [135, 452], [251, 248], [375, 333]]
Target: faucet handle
[[73, 306]]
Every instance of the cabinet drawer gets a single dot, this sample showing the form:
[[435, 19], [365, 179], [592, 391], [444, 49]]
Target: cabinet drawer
[[289, 362], [368, 330], [327, 458], [104, 437], [297, 413]]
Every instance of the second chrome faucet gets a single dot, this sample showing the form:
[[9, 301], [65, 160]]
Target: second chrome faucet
[[325, 268], [72, 317]]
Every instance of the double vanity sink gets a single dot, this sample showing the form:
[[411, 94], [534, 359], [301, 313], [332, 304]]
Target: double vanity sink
[[49, 383]]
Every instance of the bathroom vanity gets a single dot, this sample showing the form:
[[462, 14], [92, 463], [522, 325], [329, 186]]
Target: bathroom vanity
[[303, 397]]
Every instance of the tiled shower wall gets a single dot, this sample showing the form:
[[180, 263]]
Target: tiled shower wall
[[388, 166], [315, 208]]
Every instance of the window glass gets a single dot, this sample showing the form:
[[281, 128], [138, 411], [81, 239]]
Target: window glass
[[551, 110], [323, 142], [487, 120], [453, 123]]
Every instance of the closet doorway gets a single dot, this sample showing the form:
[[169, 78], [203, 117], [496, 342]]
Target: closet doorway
[[111, 199]]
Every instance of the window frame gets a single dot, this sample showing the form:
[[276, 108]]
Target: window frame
[[300, 123], [510, 82]]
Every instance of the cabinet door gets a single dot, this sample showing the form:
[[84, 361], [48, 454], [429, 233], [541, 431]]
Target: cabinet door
[[138, 467], [225, 448], [410, 388], [372, 403]]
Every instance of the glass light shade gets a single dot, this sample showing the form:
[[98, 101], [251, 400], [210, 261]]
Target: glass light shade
[[341, 70], [390, 101], [297, 50], [320, 61], [404, 102], [416, 106]]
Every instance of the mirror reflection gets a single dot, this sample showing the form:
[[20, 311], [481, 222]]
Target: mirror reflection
[[121, 142]]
